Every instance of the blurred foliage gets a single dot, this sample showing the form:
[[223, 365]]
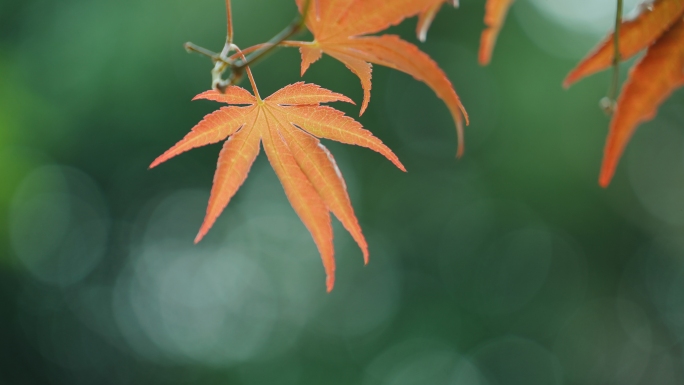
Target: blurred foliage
[[510, 266]]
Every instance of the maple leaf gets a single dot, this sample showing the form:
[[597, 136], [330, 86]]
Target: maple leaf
[[653, 18], [658, 26], [341, 28], [650, 83], [288, 124]]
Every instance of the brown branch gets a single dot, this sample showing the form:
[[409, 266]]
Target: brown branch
[[222, 61], [295, 27], [191, 47]]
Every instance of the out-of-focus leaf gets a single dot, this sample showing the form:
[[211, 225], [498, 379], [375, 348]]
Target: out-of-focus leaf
[[650, 82]]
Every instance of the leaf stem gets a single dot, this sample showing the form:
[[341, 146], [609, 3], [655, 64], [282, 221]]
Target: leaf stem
[[191, 47], [256, 47], [249, 73], [609, 103], [229, 18]]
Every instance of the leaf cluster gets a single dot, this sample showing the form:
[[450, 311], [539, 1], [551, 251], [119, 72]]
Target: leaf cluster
[[658, 28], [290, 123]]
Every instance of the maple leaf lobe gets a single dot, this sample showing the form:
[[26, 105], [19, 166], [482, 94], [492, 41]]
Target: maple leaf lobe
[[340, 28]]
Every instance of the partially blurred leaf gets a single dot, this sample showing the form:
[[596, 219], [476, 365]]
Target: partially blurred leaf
[[339, 27], [654, 18], [650, 82]]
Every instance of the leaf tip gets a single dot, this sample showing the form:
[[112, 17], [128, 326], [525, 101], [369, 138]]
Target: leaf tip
[[156, 162], [484, 57], [346, 100], [392, 157], [329, 283], [422, 34], [465, 115], [607, 172], [203, 230], [203, 95], [567, 82], [366, 101]]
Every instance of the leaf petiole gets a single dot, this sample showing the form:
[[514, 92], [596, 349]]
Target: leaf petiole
[[229, 27], [249, 73]]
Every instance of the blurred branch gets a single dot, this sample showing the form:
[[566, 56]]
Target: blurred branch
[[610, 102]]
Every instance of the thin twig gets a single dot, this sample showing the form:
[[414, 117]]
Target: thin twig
[[216, 57], [222, 61], [221, 65], [610, 101], [191, 47], [294, 27]]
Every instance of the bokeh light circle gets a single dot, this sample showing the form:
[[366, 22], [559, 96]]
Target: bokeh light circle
[[59, 224]]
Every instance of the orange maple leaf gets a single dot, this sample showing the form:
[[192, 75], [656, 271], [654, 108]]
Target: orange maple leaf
[[637, 34], [660, 28], [340, 29], [288, 124], [650, 83]]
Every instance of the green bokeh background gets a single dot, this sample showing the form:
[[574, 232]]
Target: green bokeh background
[[509, 266]]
